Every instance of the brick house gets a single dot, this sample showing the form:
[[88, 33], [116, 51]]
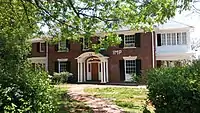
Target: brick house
[[136, 53]]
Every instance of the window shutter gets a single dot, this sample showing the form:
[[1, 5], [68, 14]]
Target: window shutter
[[56, 47], [159, 39], [138, 67], [122, 70], [68, 66], [81, 42], [68, 44], [38, 47], [56, 66], [122, 42], [137, 39]]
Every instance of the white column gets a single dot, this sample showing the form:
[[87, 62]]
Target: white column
[[107, 71], [84, 76], [78, 71], [104, 71], [102, 80], [81, 72]]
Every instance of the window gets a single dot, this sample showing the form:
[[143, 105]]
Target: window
[[85, 43], [42, 47], [163, 39], [62, 46], [169, 39], [129, 41], [184, 38], [178, 38], [130, 67], [62, 66], [173, 38]]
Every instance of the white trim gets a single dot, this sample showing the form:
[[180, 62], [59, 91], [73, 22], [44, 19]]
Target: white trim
[[38, 59], [127, 75], [130, 58], [62, 60], [132, 36]]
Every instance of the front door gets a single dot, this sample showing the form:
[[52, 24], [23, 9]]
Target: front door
[[95, 71]]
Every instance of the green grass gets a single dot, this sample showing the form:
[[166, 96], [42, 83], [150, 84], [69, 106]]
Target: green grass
[[130, 99], [68, 105]]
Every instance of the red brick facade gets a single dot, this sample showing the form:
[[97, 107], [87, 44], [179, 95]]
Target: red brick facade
[[144, 53]]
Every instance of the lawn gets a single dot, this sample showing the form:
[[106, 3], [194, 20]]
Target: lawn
[[130, 99], [68, 105]]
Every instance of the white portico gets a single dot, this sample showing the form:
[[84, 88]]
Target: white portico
[[92, 67]]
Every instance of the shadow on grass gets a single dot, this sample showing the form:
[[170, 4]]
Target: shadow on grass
[[68, 105]]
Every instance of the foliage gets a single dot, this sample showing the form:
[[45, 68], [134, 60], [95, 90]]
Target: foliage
[[29, 91], [22, 89], [135, 78], [175, 89], [68, 19], [130, 99], [61, 77]]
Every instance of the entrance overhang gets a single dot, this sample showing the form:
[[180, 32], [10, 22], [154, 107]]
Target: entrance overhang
[[83, 66]]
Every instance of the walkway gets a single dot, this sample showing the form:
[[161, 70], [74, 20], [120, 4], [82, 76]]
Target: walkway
[[99, 105]]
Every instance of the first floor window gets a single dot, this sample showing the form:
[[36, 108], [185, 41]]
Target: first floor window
[[62, 66], [129, 41], [130, 67]]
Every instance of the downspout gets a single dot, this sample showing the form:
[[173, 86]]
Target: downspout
[[153, 52], [47, 56]]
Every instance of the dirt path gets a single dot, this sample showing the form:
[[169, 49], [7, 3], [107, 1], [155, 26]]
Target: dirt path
[[99, 105]]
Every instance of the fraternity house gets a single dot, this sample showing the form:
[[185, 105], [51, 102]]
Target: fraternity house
[[137, 52]]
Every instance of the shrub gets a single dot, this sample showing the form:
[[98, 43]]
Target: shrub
[[176, 89], [61, 77], [28, 92]]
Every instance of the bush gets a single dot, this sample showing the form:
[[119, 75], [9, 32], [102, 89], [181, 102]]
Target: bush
[[28, 92], [176, 89], [61, 77]]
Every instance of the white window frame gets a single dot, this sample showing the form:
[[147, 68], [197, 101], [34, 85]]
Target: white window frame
[[41, 47], [65, 48], [59, 61], [168, 41], [126, 36], [128, 76]]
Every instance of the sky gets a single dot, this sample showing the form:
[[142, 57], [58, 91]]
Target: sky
[[192, 19]]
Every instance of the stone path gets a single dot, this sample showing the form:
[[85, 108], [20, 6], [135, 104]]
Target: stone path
[[99, 105]]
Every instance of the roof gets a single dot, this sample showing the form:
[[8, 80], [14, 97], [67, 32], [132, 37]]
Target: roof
[[172, 24]]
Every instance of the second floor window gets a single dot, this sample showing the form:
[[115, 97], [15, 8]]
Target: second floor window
[[62, 46], [85, 43], [174, 38], [129, 41], [42, 47]]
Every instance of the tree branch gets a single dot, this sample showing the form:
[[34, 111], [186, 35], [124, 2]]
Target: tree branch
[[70, 2]]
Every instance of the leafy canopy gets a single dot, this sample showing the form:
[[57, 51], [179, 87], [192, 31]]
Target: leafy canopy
[[73, 19]]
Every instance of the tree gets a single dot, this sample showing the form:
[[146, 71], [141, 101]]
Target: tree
[[73, 19]]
